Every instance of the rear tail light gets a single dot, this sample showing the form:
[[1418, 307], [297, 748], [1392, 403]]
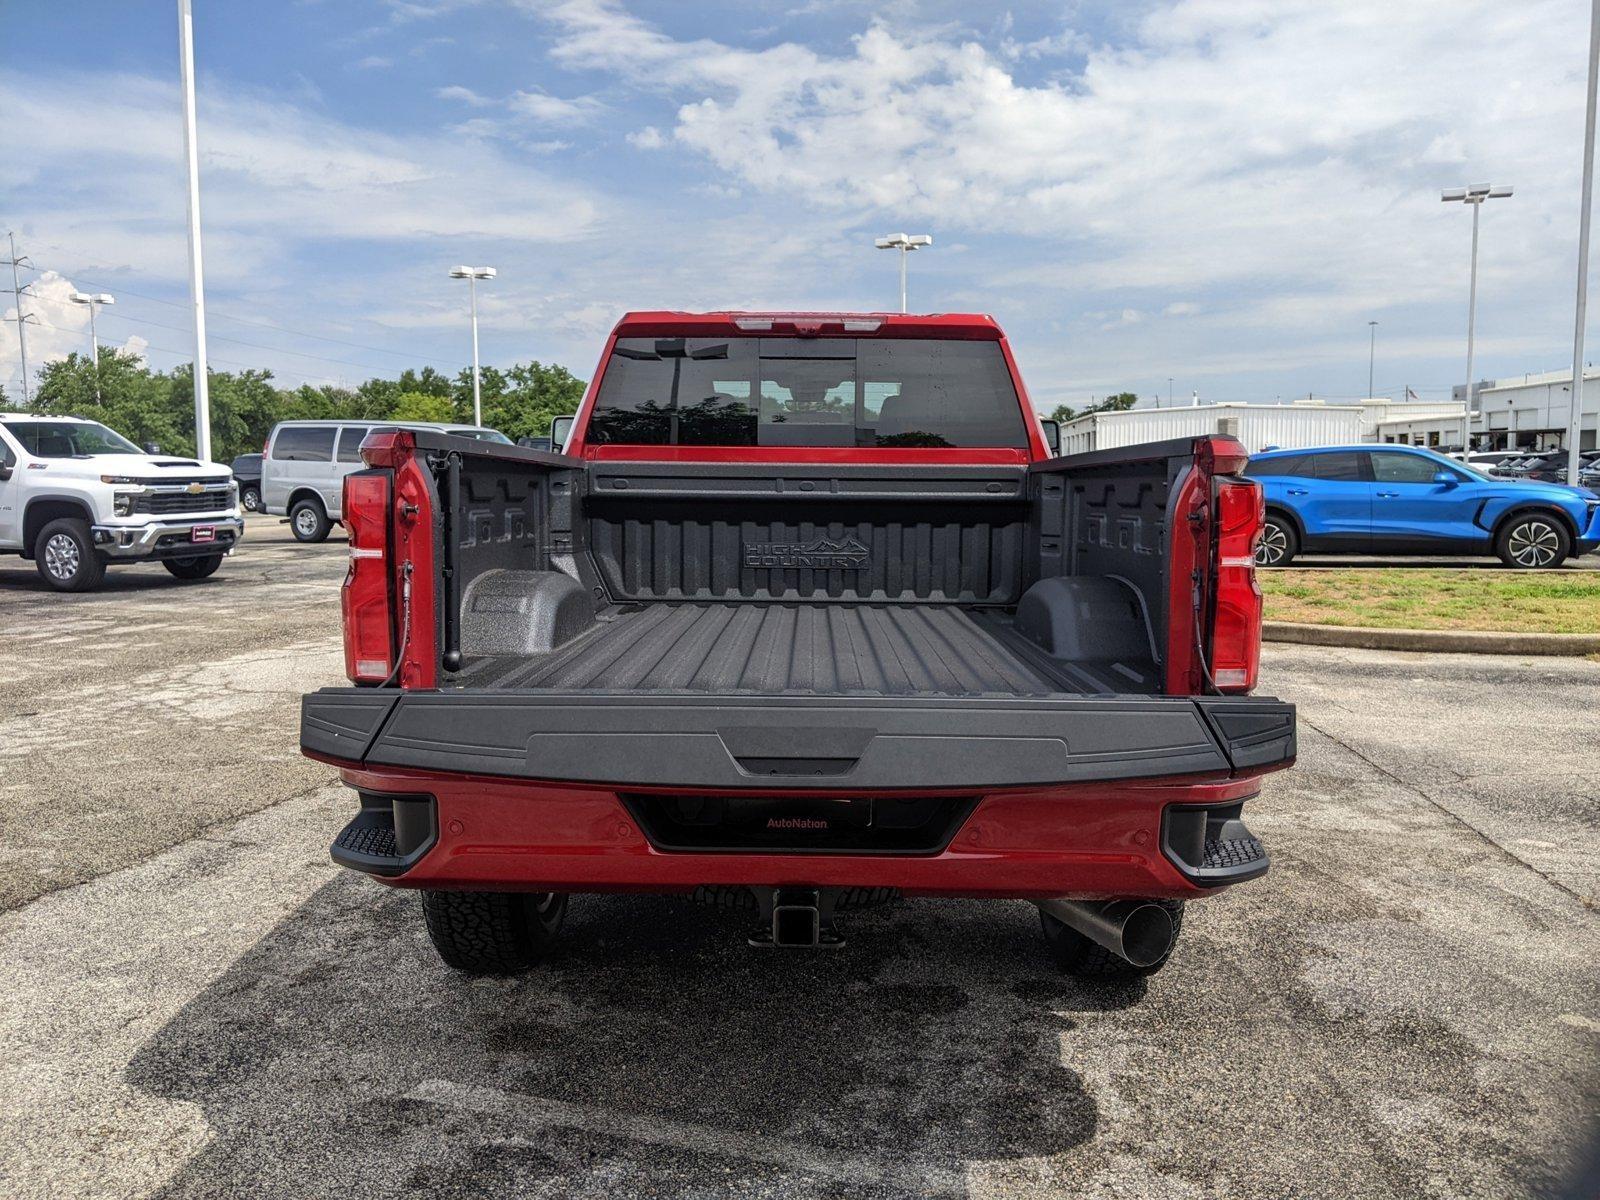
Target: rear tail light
[[367, 598], [387, 447], [1236, 629]]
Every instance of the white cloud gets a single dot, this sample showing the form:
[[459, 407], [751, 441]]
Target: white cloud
[[463, 94], [553, 110], [648, 138], [1230, 145], [1181, 308], [374, 62]]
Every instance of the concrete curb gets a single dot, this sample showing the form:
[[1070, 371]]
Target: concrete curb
[[1454, 641]]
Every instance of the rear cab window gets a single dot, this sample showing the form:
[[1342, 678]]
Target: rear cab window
[[304, 443], [774, 391]]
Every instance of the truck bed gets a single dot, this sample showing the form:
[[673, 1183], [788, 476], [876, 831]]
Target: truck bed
[[798, 649]]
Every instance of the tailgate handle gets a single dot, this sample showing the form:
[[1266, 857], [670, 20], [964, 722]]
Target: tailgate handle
[[795, 750]]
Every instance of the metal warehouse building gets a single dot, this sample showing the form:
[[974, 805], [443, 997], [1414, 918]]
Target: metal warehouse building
[[1258, 426]]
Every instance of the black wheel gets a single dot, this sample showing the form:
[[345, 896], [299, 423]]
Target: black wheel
[[65, 555], [1077, 955], [1279, 542], [493, 933], [309, 521], [197, 567], [251, 499], [1530, 540]]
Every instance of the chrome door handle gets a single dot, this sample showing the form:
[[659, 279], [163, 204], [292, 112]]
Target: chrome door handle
[[1388, 495], [1297, 491]]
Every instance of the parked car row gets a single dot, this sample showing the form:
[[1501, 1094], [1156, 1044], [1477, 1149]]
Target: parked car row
[[1549, 466], [1371, 499]]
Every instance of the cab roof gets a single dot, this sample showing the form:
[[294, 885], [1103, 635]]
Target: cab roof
[[737, 323]]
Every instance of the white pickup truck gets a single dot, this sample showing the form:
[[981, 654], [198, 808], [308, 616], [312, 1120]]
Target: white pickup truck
[[76, 497]]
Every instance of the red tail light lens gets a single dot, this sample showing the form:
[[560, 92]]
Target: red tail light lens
[[1236, 631], [367, 599], [387, 447]]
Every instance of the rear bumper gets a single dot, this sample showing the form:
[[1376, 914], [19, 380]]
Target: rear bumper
[[1079, 798], [1086, 841]]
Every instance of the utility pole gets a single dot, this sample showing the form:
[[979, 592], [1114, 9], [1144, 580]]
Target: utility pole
[[1372, 350], [18, 292], [1169, 391], [197, 287], [1472, 195], [1575, 416]]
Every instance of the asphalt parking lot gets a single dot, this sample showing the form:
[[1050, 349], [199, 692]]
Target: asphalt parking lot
[[197, 1003]]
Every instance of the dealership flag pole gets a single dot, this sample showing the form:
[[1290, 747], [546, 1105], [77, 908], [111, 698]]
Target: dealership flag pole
[[197, 289], [1575, 415]]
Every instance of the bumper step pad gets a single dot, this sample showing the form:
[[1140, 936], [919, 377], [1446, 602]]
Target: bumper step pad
[[389, 835], [1232, 852]]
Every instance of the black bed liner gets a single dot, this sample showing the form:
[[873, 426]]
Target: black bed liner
[[782, 649]]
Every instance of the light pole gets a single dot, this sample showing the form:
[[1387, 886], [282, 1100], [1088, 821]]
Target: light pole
[[472, 275], [1169, 391], [1372, 353], [1575, 410], [94, 302], [197, 285], [1473, 194], [905, 243]]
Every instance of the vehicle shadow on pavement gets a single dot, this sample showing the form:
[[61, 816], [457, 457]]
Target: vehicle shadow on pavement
[[655, 1052]]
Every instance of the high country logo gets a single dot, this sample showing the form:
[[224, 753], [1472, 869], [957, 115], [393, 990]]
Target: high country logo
[[821, 554], [796, 823]]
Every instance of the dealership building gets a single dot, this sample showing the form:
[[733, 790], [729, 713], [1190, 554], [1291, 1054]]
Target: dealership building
[[1524, 412], [1295, 426]]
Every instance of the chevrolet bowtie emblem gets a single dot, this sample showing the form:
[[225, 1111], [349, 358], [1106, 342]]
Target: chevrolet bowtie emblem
[[194, 489]]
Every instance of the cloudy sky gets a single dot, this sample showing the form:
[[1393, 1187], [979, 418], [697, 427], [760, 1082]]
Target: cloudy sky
[[1223, 192]]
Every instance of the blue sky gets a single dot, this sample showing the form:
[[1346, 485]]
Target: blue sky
[[1223, 192]]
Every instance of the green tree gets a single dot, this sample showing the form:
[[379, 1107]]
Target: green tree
[[421, 406]]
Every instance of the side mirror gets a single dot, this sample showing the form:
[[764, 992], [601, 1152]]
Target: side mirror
[[560, 431], [151, 448], [1448, 478], [1052, 435], [5, 471]]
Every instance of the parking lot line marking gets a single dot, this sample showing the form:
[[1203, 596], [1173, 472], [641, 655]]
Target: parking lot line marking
[[909, 1175]]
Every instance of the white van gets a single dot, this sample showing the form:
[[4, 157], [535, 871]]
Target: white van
[[305, 462]]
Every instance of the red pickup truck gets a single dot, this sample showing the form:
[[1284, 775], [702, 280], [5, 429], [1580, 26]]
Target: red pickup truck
[[806, 615]]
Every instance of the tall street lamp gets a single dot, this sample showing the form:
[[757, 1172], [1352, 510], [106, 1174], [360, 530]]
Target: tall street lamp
[[905, 243], [1575, 409], [94, 302], [1474, 195], [1372, 353], [472, 275]]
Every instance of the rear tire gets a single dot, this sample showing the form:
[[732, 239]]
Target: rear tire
[[197, 567], [1528, 541], [65, 555], [1279, 542], [309, 521], [1078, 955], [251, 500], [493, 933]]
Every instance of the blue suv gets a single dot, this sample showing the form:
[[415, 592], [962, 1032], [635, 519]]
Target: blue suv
[[1406, 500]]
